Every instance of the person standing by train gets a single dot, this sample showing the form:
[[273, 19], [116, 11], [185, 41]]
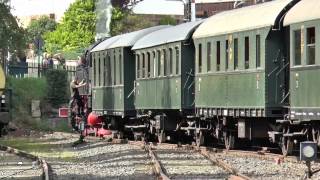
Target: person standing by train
[[75, 95]]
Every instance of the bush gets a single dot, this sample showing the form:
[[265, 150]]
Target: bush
[[23, 91], [57, 81]]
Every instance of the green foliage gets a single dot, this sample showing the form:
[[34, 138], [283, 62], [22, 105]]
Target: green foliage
[[168, 20], [76, 31], [37, 28], [24, 91], [123, 21], [11, 35], [57, 87]]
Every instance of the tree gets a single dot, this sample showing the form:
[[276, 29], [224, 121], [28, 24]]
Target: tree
[[168, 20], [123, 21], [37, 28], [76, 31], [12, 37]]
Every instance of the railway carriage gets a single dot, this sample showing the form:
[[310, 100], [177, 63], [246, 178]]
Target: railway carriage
[[164, 91], [113, 75], [302, 122], [241, 63]]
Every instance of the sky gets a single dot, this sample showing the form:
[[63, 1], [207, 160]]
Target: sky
[[159, 7], [36, 7]]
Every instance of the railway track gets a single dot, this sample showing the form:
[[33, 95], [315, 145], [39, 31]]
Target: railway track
[[17, 164], [179, 162]]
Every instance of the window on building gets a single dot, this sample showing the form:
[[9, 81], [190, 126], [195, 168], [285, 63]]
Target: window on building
[[227, 55], [200, 58], [165, 63], [143, 69], [235, 54], [258, 51], [297, 47], [177, 60], [209, 54], [159, 62], [148, 65], [246, 52], [218, 55], [170, 61], [311, 46]]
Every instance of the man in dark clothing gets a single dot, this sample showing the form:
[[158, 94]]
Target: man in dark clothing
[[75, 95]]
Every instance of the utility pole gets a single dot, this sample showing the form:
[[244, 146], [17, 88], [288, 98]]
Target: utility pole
[[189, 9]]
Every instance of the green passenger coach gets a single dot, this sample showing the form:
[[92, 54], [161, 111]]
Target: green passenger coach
[[241, 65], [164, 76], [113, 75], [303, 121]]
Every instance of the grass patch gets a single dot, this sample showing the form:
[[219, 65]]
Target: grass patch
[[40, 147]]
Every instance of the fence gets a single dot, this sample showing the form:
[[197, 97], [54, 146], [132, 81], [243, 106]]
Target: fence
[[33, 69]]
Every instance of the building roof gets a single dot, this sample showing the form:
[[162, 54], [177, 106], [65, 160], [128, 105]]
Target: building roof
[[242, 19], [305, 10], [171, 34], [105, 44], [130, 39]]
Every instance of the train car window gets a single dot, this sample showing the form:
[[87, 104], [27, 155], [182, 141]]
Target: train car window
[[297, 47], [246, 52], [114, 69], [235, 54], [108, 70], [170, 61], [218, 55], [138, 65], [143, 69], [165, 63], [311, 46], [209, 54], [200, 58], [94, 69], [99, 71], [227, 55], [154, 63], [258, 51], [104, 69], [177, 60], [159, 63], [148, 65], [120, 68]]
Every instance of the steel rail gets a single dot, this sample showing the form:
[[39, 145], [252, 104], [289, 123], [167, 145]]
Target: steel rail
[[17, 152]]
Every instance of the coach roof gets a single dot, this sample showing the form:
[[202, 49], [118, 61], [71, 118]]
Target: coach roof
[[242, 19], [172, 34], [129, 39], [305, 10], [105, 44]]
